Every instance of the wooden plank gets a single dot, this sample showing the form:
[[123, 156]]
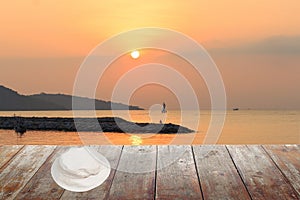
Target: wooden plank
[[260, 175], [287, 158], [41, 185], [23, 166], [7, 153], [112, 153], [135, 178], [176, 175], [218, 176]]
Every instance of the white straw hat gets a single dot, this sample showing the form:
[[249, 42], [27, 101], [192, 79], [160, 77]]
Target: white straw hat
[[78, 170]]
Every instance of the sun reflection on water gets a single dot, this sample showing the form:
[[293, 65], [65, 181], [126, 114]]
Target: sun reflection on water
[[136, 140]]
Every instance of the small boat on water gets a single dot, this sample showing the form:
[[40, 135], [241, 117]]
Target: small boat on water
[[235, 109]]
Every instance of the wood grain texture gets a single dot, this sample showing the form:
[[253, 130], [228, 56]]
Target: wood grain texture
[[23, 166], [218, 175], [268, 172], [112, 153], [287, 158], [261, 176], [176, 174], [7, 153], [41, 185], [135, 178]]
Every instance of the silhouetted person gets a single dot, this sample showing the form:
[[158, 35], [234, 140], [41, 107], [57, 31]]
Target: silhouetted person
[[164, 108], [20, 129]]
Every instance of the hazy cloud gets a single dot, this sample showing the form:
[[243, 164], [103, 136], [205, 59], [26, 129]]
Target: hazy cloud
[[285, 45]]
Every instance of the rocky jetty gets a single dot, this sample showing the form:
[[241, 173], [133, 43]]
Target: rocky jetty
[[107, 124]]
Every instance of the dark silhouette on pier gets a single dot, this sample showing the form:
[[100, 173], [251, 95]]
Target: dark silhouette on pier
[[20, 128], [164, 108]]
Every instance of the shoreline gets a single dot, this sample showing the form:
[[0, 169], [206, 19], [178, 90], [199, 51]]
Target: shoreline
[[107, 124]]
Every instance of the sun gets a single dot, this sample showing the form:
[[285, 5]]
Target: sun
[[135, 54]]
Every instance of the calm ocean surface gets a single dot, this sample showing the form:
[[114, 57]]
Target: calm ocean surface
[[240, 127]]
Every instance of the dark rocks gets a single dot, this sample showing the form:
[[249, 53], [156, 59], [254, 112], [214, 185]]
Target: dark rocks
[[104, 124]]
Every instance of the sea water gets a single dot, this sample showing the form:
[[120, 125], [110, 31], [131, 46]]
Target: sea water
[[240, 127]]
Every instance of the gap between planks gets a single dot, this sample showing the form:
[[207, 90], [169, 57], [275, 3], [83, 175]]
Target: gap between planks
[[230, 152], [5, 163], [193, 153], [261, 176], [27, 162], [238, 171], [276, 158]]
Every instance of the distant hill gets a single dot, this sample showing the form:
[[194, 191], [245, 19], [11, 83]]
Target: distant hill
[[10, 100]]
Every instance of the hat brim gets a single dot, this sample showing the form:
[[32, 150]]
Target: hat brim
[[82, 184]]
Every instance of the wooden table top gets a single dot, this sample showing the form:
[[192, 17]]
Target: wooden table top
[[201, 172]]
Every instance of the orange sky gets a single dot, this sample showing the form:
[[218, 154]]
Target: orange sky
[[256, 45], [60, 28]]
